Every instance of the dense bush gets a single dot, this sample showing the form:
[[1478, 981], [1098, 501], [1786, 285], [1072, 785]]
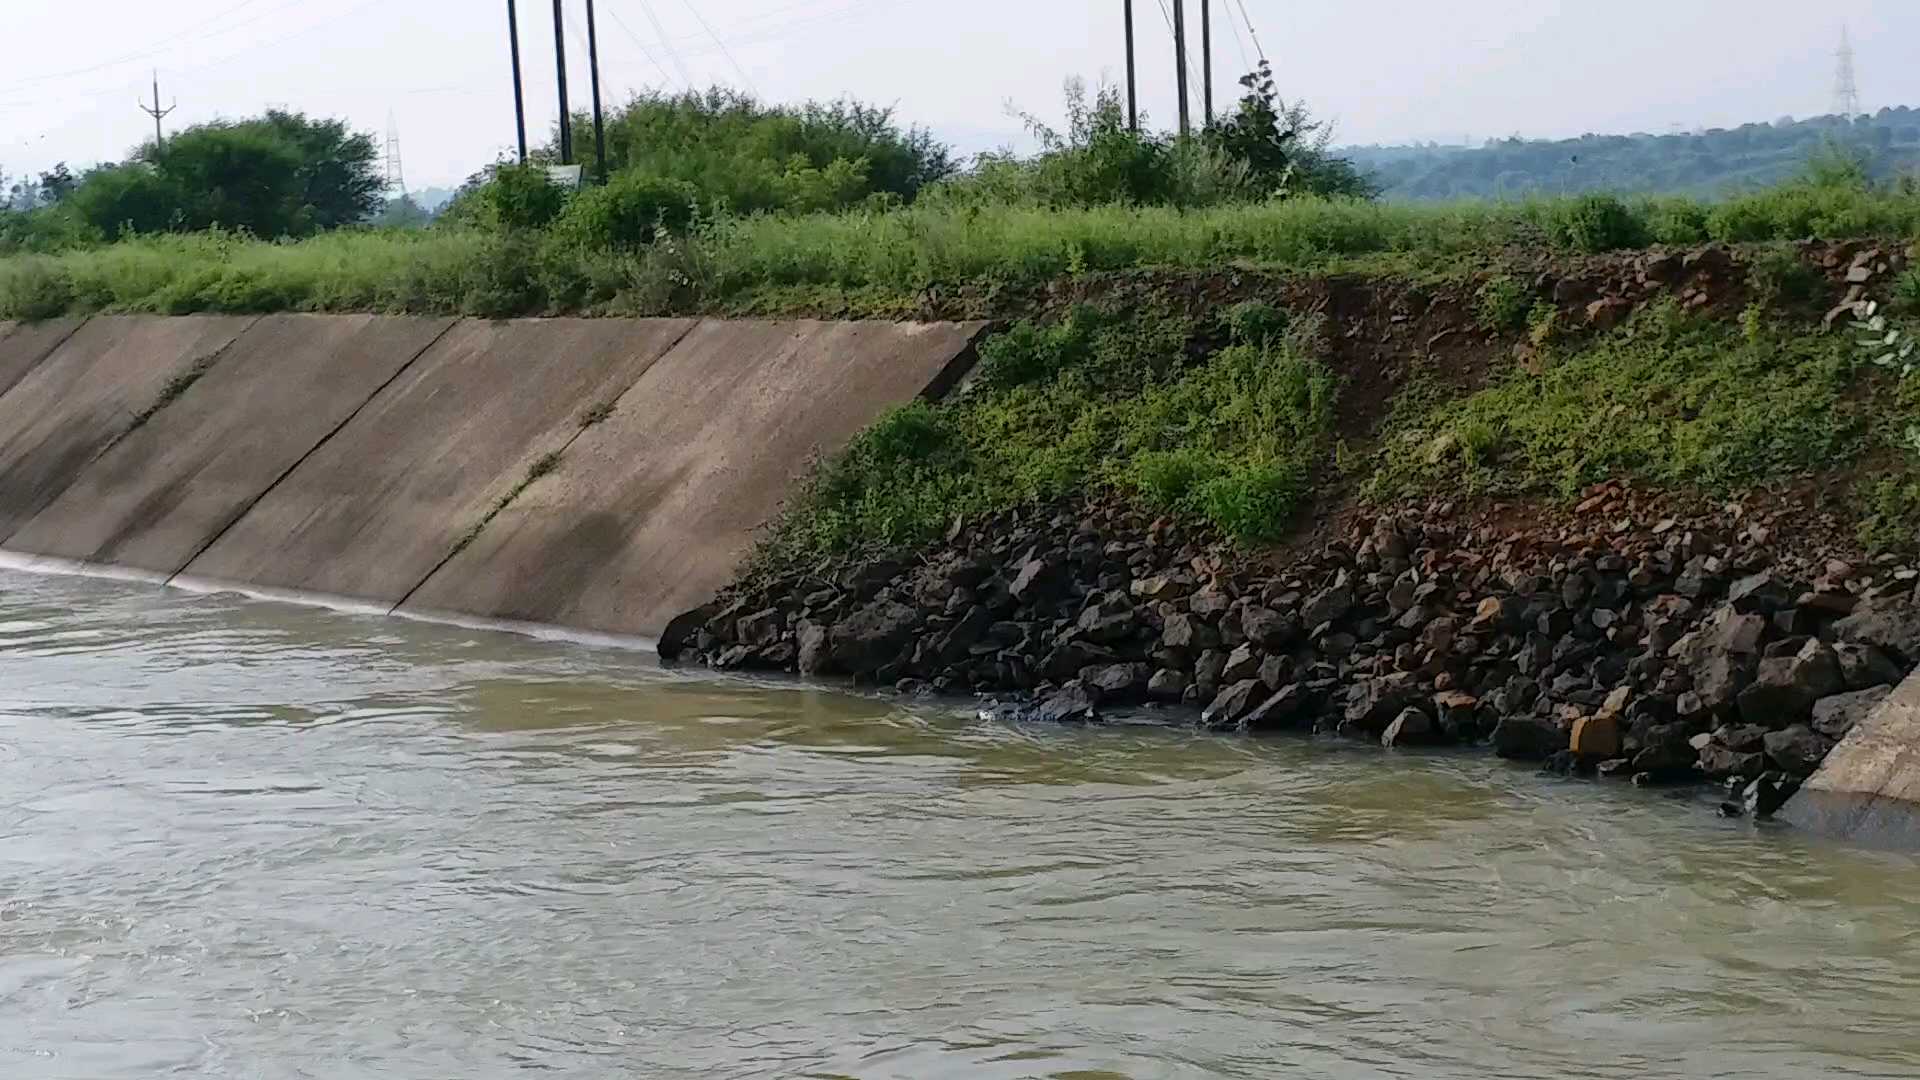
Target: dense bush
[[743, 156]]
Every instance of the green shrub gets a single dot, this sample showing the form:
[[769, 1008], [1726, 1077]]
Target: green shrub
[[1251, 322], [1676, 222], [627, 211], [514, 197], [1779, 278], [1597, 223], [1906, 293], [1503, 304], [1890, 517]]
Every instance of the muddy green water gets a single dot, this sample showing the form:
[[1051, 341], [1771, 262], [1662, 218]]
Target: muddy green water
[[241, 839]]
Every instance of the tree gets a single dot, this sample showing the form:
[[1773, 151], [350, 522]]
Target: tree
[[57, 183], [1283, 146], [280, 174]]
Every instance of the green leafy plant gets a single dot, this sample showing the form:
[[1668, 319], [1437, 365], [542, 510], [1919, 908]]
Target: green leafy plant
[[1503, 304]]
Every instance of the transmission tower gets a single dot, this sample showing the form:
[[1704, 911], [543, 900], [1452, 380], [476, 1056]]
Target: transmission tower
[[1846, 90], [396, 180]]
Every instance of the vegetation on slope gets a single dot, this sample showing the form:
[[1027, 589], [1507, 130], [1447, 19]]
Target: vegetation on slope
[[1239, 424]]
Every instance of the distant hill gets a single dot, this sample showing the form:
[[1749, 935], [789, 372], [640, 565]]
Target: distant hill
[[1706, 163]]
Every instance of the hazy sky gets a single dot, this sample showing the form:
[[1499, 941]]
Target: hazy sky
[[1385, 70]]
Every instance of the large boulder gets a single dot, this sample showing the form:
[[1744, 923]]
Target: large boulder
[[1839, 714], [1233, 704], [1797, 750], [1785, 687], [1528, 738], [1892, 627], [874, 636], [1411, 728]]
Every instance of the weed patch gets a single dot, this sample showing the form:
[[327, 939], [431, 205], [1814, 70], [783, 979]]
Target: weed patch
[[1674, 399]]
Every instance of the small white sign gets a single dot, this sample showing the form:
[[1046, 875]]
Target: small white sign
[[566, 176]]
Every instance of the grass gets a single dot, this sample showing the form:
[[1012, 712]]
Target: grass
[[1155, 409], [1674, 399], [878, 259], [1095, 401]]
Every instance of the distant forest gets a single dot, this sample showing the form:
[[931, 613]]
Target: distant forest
[[1718, 161]]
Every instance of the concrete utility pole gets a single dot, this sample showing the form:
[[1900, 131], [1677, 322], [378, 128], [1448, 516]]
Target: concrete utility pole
[[593, 65], [519, 96], [560, 61], [1133, 88], [159, 140], [1180, 64], [1206, 58]]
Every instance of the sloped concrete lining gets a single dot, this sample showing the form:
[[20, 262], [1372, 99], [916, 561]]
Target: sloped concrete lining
[[160, 495], [24, 345], [372, 511], [650, 512], [87, 393], [1868, 788]]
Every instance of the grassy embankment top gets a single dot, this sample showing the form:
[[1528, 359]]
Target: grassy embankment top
[[719, 204]]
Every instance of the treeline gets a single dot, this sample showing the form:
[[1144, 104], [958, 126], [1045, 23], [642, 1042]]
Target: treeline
[[1712, 163], [674, 160]]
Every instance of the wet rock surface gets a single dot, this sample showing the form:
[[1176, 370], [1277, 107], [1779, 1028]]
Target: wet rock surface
[[1622, 642]]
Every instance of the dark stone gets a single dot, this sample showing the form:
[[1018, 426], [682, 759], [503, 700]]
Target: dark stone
[[1242, 663], [1206, 672], [1125, 683], [1528, 738], [1797, 750], [1894, 628], [952, 646], [1073, 703], [1069, 658], [1758, 594], [1268, 628], [1107, 620], [1411, 728], [815, 648], [1232, 705], [1166, 685], [1209, 603], [1326, 606], [1372, 703], [1863, 666], [874, 636], [1717, 760], [1276, 672], [681, 632], [1036, 579], [1768, 793], [1835, 716], [1189, 633], [1741, 737], [1785, 688], [1284, 709]]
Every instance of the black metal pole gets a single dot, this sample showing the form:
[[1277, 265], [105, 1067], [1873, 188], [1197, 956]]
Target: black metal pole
[[1179, 63], [1206, 57], [1133, 89], [519, 95], [593, 65], [560, 61]]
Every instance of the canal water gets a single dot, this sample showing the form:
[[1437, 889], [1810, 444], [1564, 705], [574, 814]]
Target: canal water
[[242, 839]]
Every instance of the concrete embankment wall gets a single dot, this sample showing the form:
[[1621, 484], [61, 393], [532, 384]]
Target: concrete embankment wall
[[596, 474], [1868, 788]]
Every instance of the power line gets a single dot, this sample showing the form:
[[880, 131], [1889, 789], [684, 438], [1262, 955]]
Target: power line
[[742, 72], [665, 79], [152, 49], [672, 53]]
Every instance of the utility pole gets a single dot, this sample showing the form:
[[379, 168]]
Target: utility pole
[[519, 96], [159, 140], [1180, 63], [560, 60], [593, 65], [1206, 58], [1133, 88]]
